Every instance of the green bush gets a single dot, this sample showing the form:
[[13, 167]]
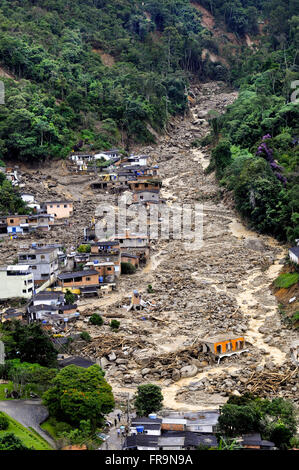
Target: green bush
[[114, 325], [128, 268], [86, 336], [4, 423], [96, 319], [84, 249]]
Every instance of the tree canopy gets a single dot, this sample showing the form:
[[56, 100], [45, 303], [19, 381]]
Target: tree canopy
[[78, 394]]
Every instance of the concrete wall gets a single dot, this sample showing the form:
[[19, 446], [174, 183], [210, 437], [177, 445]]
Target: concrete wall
[[13, 286], [60, 210]]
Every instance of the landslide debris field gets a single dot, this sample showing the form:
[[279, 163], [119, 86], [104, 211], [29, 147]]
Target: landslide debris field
[[221, 286]]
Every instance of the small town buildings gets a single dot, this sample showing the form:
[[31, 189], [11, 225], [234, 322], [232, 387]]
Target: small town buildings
[[28, 198], [30, 201], [169, 433], [223, 345], [143, 185], [60, 209], [105, 270], [43, 263], [106, 251], [255, 442], [294, 254], [40, 311], [17, 224], [12, 314], [171, 440], [54, 298], [149, 426], [135, 243], [134, 160], [78, 279], [16, 281], [41, 222], [198, 421], [3, 224], [130, 258], [145, 196]]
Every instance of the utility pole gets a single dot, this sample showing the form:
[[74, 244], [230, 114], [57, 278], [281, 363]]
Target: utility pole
[[128, 409]]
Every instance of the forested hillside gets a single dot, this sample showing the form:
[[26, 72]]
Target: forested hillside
[[61, 91], [257, 154]]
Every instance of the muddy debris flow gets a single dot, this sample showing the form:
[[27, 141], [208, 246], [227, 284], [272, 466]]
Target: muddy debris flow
[[223, 286]]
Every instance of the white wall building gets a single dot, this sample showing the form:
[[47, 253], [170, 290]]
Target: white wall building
[[16, 282]]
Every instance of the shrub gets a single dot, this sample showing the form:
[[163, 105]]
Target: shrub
[[84, 249], [150, 289], [69, 297], [86, 336], [127, 268], [96, 319], [114, 325], [4, 423]]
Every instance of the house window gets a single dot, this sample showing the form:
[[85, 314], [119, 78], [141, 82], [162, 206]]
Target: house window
[[58, 205], [88, 279], [11, 221], [108, 269], [32, 267], [42, 257], [51, 205], [65, 205], [24, 291]]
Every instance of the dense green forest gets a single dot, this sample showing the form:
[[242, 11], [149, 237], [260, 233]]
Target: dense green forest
[[257, 154], [62, 93]]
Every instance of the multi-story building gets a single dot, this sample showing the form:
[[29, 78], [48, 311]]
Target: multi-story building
[[60, 209], [43, 263], [16, 281]]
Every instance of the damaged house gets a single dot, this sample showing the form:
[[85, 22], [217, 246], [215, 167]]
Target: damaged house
[[223, 345]]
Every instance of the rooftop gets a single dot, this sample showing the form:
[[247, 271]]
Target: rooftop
[[220, 338], [295, 250], [76, 361], [72, 275]]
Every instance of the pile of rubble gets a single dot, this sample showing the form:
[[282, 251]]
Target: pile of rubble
[[263, 381]]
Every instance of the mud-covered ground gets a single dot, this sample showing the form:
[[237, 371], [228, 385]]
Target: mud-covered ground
[[221, 285]]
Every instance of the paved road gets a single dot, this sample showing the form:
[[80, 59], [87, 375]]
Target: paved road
[[28, 413], [115, 442]]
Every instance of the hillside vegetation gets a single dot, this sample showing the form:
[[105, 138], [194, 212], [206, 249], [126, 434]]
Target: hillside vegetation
[[62, 93], [256, 142]]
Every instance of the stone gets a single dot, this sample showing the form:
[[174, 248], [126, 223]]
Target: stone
[[188, 371], [145, 371], [103, 362], [112, 356], [176, 375], [121, 361]]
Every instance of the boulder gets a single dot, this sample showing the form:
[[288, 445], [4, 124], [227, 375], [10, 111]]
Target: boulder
[[112, 356], [188, 371]]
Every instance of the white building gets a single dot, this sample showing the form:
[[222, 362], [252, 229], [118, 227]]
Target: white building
[[16, 282], [294, 254]]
